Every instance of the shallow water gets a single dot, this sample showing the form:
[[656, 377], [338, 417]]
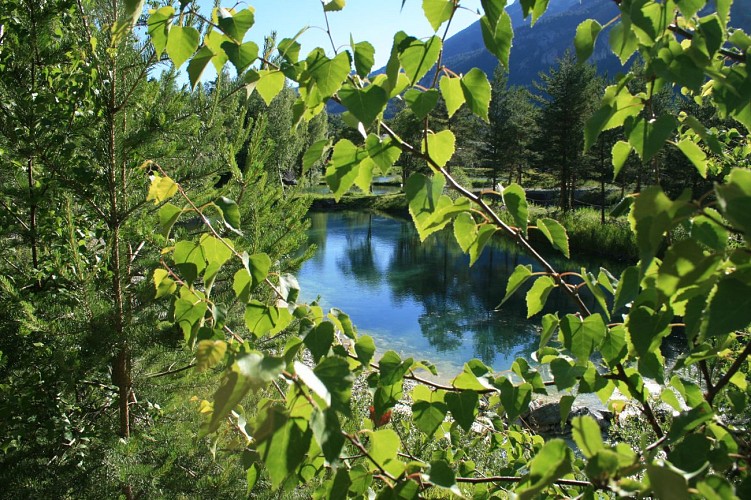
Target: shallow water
[[422, 300]]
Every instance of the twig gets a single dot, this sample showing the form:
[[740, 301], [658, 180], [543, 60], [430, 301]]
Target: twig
[[356, 442], [516, 479], [712, 393], [170, 372]]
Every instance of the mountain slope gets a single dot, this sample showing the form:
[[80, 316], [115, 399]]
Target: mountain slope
[[537, 48]]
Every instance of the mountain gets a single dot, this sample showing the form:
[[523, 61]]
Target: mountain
[[535, 49]]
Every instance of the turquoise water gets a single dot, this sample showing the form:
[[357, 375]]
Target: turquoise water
[[421, 300]]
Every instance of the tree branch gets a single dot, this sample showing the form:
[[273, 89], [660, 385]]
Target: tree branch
[[712, 393]]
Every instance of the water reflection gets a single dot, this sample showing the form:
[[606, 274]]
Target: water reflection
[[422, 300]]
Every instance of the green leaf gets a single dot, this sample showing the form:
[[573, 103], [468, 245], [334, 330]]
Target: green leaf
[[158, 26], [289, 48], [216, 250], [168, 215], [182, 42], [440, 147], [314, 153], [131, 13], [198, 64], [393, 368], [428, 409], [441, 475], [594, 287], [163, 283], [320, 339], [648, 137], [384, 152], [437, 12], [550, 324], [582, 337], [729, 306], [334, 5], [620, 152], [365, 349], [418, 57], [241, 56], [365, 104], [471, 237], [647, 328], [343, 323], [230, 212], [515, 200], [258, 264], [329, 74], [214, 40], [269, 84], [522, 369], [463, 406], [282, 443], [264, 320], [684, 265], [364, 58], [536, 7], [690, 7], [520, 275], [695, 155], [538, 294], [430, 210], [250, 372], [421, 103], [613, 348], [628, 288], [237, 24], [585, 38], [336, 375], [618, 106], [476, 88], [498, 36], [690, 455], [587, 435], [453, 93], [515, 398], [327, 431], [209, 353], [734, 200], [622, 40], [552, 462], [555, 233], [190, 260], [384, 446], [565, 374], [707, 231], [161, 189], [667, 483], [651, 217], [343, 171]]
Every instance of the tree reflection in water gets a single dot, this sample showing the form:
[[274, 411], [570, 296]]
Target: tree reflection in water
[[421, 299]]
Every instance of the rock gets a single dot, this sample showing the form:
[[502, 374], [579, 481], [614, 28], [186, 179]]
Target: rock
[[544, 417]]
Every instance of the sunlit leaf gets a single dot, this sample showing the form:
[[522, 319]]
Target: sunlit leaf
[[182, 42], [437, 12], [585, 38]]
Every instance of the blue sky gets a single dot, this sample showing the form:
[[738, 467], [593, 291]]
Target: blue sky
[[373, 20]]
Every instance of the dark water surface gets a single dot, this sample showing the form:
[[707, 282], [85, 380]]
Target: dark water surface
[[422, 300]]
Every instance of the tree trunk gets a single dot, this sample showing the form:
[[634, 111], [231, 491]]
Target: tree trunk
[[121, 369]]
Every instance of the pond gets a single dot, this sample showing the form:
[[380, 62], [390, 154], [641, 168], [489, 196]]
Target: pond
[[422, 300]]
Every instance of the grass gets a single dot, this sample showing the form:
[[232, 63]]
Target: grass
[[395, 204]]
